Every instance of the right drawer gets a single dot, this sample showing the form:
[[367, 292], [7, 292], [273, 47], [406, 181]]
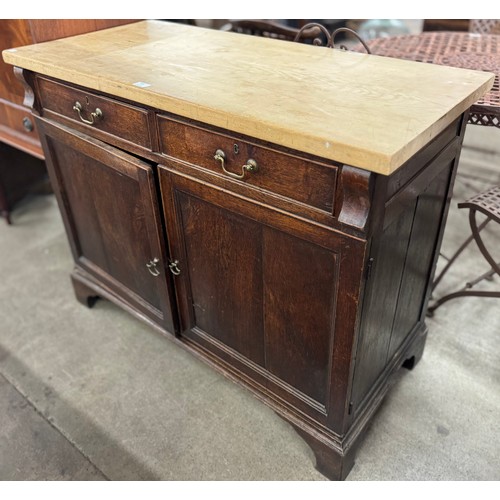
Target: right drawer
[[281, 173]]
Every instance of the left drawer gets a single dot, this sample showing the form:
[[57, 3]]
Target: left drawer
[[94, 112]]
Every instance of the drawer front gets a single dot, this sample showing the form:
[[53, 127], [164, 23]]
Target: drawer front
[[293, 177], [122, 120], [18, 128], [19, 119]]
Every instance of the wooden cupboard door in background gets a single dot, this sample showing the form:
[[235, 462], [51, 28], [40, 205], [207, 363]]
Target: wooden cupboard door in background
[[108, 202]]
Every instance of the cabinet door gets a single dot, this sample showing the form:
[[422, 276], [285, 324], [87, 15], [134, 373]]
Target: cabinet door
[[260, 289], [109, 207]]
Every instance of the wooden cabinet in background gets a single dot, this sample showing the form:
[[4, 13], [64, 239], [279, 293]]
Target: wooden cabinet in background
[[17, 126], [20, 174]]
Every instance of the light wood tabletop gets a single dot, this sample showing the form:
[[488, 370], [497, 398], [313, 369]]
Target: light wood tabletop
[[367, 111]]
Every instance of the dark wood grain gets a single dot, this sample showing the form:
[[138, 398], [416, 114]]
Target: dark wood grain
[[105, 207], [354, 196], [417, 272], [289, 283], [83, 293], [118, 118], [381, 302], [254, 287], [290, 176], [223, 263], [403, 253], [404, 175], [299, 310]]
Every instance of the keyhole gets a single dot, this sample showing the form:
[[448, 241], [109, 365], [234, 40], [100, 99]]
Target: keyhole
[[87, 102], [236, 149]]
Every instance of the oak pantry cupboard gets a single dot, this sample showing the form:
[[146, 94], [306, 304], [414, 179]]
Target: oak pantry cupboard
[[275, 208]]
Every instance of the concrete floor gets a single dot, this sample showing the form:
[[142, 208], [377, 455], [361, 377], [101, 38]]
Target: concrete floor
[[93, 394]]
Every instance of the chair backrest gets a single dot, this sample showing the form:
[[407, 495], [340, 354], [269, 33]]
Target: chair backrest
[[314, 33], [485, 26], [269, 29], [329, 38]]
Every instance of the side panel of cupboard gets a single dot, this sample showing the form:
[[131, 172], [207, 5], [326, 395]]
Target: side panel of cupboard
[[109, 206], [260, 289], [403, 257]]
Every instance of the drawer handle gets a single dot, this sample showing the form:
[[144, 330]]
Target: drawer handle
[[95, 115], [151, 265], [250, 166]]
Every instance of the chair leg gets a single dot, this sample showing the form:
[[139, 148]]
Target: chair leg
[[462, 293], [454, 257], [480, 243], [466, 291]]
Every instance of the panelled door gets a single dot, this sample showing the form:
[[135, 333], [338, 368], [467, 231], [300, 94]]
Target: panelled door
[[109, 206], [258, 288]]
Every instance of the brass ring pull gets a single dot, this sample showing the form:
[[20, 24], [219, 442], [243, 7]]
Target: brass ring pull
[[95, 115], [151, 265], [250, 166]]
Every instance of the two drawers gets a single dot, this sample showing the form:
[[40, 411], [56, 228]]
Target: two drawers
[[251, 168]]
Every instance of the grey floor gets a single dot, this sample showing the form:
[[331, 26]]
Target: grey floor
[[96, 395]]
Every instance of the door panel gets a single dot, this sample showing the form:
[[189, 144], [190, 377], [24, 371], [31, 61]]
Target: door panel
[[299, 299], [417, 271], [109, 206], [256, 287], [223, 255]]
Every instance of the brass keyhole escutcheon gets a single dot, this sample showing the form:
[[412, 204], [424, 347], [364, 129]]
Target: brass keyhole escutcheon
[[236, 149]]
